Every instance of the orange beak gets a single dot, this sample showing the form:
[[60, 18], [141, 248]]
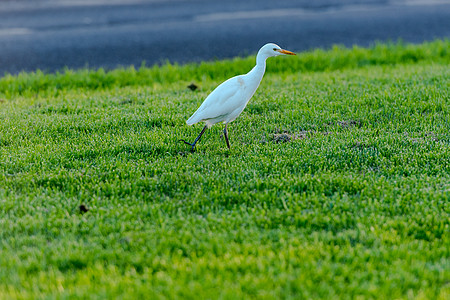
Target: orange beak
[[286, 52]]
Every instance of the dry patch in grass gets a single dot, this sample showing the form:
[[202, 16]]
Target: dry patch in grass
[[286, 136], [428, 136]]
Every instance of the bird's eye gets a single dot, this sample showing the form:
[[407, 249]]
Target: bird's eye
[[274, 49]]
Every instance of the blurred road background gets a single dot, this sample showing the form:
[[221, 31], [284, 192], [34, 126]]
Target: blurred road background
[[52, 34]]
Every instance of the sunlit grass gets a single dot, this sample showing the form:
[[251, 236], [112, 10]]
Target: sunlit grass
[[337, 184]]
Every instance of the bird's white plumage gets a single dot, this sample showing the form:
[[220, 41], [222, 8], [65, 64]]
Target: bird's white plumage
[[229, 99], [225, 103]]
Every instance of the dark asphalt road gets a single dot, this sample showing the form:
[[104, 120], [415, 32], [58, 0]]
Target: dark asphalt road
[[50, 35]]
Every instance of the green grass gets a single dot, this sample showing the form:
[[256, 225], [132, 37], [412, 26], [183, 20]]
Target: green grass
[[337, 184]]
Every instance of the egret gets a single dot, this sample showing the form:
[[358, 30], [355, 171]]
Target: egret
[[229, 99]]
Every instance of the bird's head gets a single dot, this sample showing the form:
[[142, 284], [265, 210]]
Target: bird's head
[[272, 49]]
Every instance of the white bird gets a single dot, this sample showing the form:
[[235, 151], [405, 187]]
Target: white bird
[[230, 98]]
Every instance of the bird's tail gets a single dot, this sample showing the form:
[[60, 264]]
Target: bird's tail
[[192, 120], [196, 117]]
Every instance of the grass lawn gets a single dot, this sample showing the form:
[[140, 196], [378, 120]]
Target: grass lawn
[[337, 184]]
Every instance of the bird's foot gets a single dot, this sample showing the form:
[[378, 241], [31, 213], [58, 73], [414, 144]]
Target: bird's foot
[[190, 144]]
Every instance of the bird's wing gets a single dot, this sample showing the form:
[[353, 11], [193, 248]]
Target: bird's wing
[[222, 101]]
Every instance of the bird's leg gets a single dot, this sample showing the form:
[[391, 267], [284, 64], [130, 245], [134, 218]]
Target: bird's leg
[[196, 139], [225, 132]]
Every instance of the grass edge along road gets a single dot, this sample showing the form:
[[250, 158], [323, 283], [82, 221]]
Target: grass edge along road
[[337, 183]]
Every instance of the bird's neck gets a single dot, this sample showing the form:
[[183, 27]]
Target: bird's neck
[[258, 71], [261, 62]]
